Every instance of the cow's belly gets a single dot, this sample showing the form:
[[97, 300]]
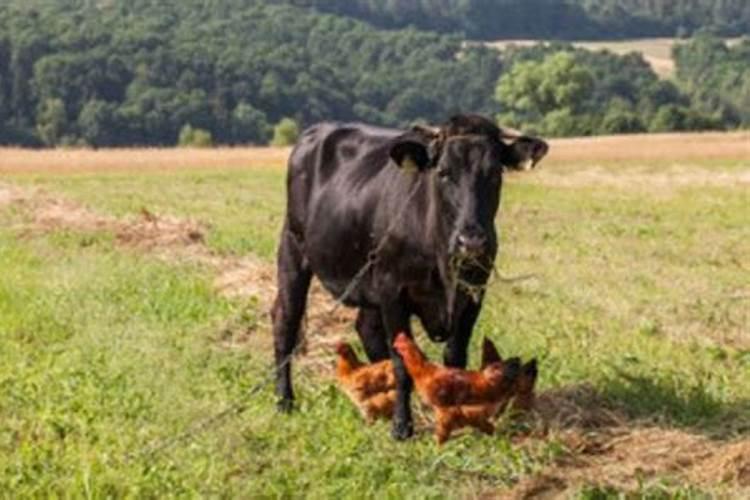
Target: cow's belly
[[336, 251]]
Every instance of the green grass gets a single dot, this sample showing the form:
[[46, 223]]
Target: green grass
[[106, 351]]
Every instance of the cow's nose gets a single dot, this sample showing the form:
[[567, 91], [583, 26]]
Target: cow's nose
[[472, 243]]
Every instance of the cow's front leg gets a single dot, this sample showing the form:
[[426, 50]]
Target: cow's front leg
[[372, 334], [455, 353], [396, 320]]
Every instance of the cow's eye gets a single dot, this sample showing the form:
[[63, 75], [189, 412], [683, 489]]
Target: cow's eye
[[444, 174]]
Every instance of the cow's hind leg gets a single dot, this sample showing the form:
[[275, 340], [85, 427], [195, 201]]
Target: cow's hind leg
[[293, 283], [372, 334]]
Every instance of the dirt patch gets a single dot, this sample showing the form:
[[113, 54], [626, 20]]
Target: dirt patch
[[147, 230], [605, 448], [246, 277], [10, 195], [178, 239], [324, 323]]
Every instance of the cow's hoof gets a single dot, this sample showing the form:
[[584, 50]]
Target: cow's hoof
[[402, 431], [285, 405]]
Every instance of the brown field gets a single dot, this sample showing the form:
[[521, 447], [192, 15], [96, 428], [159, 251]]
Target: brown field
[[672, 148], [15, 160], [649, 150]]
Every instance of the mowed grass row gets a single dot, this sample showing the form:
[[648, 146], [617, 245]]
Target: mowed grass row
[[640, 293]]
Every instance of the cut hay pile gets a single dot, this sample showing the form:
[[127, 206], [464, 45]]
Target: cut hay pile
[[606, 448], [148, 231]]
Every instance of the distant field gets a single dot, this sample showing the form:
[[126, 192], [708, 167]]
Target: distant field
[[653, 149], [14, 160], [657, 51], [133, 299]]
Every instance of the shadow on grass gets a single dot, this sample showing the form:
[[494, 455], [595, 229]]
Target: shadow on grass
[[667, 402], [631, 431]]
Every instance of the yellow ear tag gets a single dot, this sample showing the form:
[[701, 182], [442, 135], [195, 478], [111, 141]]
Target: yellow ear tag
[[408, 165]]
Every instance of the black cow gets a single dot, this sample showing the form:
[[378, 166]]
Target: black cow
[[420, 206]]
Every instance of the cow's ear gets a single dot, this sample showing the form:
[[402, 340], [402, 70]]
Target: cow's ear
[[410, 155], [525, 152]]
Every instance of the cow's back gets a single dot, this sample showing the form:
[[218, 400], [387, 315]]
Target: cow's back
[[328, 153]]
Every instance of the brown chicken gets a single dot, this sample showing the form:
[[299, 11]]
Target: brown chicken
[[460, 398], [371, 387], [523, 388]]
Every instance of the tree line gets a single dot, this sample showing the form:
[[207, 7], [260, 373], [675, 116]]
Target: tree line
[[550, 19], [136, 72], [560, 90], [147, 72], [717, 77]]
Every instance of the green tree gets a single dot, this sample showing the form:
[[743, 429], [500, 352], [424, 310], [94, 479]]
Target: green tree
[[537, 88], [195, 137], [618, 121], [98, 123], [550, 92], [249, 125], [667, 118], [620, 118], [560, 123], [52, 122], [716, 76], [285, 132]]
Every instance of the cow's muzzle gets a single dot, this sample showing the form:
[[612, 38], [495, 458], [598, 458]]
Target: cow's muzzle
[[471, 244]]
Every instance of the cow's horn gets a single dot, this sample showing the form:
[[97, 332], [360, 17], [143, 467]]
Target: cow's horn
[[509, 133], [426, 130]]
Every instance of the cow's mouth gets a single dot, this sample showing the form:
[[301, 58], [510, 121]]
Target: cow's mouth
[[462, 267], [463, 258], [469, 253]]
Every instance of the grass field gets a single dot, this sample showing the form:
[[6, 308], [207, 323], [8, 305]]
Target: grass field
[[133, 294], [656, 51]]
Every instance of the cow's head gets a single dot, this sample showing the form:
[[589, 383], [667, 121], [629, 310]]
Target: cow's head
[[466, 158]]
